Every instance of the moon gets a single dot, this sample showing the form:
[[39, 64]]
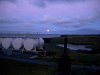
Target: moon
[[48, 30]]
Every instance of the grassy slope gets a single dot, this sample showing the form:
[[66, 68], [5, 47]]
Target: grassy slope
[[78, 39]]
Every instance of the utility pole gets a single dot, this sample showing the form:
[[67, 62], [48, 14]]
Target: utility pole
[[64, 62]]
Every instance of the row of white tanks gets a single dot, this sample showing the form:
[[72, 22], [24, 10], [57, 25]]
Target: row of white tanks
[[28, 43]]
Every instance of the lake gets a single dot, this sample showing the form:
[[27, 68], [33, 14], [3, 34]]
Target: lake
[[75, 47]]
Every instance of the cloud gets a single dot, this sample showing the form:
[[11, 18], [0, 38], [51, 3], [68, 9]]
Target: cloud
[[9, 20], [64, 0], [83, 10], [13, 1], [66, 21], [83, 31], [39, 3], [59, 13], [43, 3], [88, 31], [51, 20]]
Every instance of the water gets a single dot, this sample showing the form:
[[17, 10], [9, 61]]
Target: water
[[30, 35], [75, 47]]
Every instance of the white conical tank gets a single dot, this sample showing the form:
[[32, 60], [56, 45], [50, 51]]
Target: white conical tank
[[17, 43], [40, 43], [37, 42], [30, 44], [6, 42]]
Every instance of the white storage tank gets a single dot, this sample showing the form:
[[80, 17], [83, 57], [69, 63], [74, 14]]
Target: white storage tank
[[6, 42], [37, 42], [17, 43], [40, 43], [30, 44]]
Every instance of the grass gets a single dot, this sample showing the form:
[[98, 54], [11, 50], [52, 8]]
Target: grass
[[77, 59], [84, 59], [9, 67], [78, 39]]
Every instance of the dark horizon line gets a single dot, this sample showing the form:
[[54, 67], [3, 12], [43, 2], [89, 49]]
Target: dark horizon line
[[44, 34]]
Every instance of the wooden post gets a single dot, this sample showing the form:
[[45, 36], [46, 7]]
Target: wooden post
[[64, 62], [65, 45]]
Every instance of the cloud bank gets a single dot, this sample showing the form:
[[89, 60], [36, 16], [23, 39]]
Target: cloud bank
[[61, 14]]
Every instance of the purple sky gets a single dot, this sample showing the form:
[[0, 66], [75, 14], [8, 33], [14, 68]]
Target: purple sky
[[50, 16]]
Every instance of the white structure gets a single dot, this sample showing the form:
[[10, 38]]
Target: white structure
[[40, 43], [30, 44], [6, 42], [17, 43]]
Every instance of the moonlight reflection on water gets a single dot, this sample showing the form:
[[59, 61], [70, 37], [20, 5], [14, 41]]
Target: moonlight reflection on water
[[75, 47]]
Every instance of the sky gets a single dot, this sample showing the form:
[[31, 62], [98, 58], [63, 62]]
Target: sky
[[50, 16]]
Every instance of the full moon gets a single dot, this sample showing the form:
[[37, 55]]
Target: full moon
[[48, 30]]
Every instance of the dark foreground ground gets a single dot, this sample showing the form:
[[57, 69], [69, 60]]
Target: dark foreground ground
[[9, 67]]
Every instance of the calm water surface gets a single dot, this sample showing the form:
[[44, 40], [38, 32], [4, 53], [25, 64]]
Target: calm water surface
[[75, 47]]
